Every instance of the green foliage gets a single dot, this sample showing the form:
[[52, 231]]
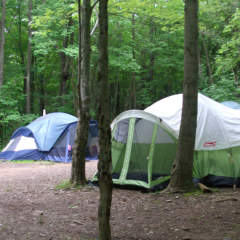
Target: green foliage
[[225, 89], [195, 193], [10, 98], [228, 57], [10, 116], [66, 185], [153, 56]]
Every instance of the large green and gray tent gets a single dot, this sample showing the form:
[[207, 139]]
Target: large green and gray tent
[[144, 143], [217, 143]]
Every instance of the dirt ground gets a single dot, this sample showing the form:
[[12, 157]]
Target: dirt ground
[[31, 208]]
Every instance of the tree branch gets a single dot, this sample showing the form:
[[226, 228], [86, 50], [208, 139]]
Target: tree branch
[[94, 4], [96, 23]]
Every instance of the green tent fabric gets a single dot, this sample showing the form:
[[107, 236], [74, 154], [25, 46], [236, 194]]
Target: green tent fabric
[[138, 139], [144, 143], [144, 148]]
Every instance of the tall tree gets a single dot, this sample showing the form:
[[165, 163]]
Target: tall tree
[[66, 62], [2, 40], [182, 170], [105, 160], [133, 79], [19, 39], [78, 167], [29, 59]]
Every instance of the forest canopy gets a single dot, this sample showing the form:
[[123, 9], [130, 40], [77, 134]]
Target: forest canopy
[[146, 41]]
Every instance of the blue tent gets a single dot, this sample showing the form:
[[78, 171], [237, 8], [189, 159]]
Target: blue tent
[[231, 104], [50, 137]]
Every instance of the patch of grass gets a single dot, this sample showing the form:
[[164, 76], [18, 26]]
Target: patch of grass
[[32, 161], [215, 190], [66, 185], [41, 221], [8, 189], [22, 161], [236, 226], [194, 193]]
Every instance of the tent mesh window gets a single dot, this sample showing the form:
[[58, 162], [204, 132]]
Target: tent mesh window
[[119, 147], [138, 167], [147, 155]]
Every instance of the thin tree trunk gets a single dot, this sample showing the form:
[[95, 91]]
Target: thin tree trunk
[[2, 41], [209, 69], [116, 97], [65, 64], [105, 161], [235, 76], [78, 168], [41, 80], [20, 45], [29, 59], [152, 53], [20, 48], [133, 81], [182, 170], [93, 87]]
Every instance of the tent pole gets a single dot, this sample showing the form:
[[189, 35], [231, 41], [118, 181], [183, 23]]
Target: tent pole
[[151, 152], [127, 156]]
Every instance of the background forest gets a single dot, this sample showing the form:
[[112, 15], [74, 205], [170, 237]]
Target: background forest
[[39, 52]]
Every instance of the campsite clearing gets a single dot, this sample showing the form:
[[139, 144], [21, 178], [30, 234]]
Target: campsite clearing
[[31, 208]]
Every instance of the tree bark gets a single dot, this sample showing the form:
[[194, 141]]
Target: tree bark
[[20, 47], [2, 41], [65, 64], [77, 147], [105, 161], [209, 69], [78, 168], [29, 59], [42, 92], [133, 80], [182, 170]]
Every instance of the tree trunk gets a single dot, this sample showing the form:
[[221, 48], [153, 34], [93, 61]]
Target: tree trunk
[[33, 83], [20, 47], [29, 59], [105, 161], [65, 64], [78, 168], [182, 170], [152, 52], [133, 81], [2, 41], [209, 69], [93, 88], [42, 92]]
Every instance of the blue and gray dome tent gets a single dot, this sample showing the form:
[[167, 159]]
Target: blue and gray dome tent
[[50, 137]]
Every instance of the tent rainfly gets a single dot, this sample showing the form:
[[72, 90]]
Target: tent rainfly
[[50, 137], [231, 104], [144, 143]]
